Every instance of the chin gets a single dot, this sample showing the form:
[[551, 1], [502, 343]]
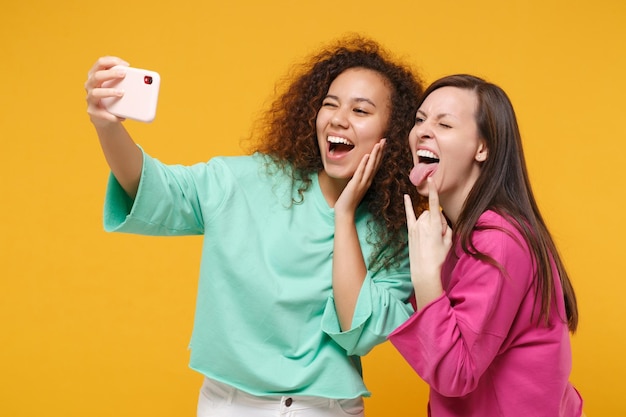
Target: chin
[[422, 189], [338, 172], [335, 176]]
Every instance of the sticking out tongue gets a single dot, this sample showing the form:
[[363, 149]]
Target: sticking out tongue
[[422, 171]]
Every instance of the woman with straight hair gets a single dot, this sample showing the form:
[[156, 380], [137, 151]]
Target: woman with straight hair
[[494, 303]]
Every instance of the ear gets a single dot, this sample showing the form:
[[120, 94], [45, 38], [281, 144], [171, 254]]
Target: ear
[[482, 152]]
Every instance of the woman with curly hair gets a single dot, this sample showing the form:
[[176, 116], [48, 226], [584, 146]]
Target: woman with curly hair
[[304, 266]]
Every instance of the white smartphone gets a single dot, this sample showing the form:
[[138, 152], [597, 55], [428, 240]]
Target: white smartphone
[[141, 93]]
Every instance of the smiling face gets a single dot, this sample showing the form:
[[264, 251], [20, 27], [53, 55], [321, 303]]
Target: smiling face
[[353, 118], [446, 145]]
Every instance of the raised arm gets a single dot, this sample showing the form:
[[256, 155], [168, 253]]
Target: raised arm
[[349, 268], [122, 154], [430, 240]]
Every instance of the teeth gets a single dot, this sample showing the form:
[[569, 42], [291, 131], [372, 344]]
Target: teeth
[[337, 139], [426, 154]]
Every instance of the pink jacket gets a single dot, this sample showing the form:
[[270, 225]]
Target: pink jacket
[[479, 346]]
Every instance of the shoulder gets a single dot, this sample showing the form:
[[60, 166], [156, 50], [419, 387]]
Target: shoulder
[[237, 167], [495, 234], [492, 218], [501, 247], [237, 162]]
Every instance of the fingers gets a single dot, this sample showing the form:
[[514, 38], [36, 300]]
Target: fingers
[[437, 217], [377, 152], [447, 236], [106, 62], [374, 160], [97, 89], [410, 212], [101, 71], [361, 179], [369, 165], [433, 196]]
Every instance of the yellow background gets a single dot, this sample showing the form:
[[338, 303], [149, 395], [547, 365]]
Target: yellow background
[[97, 324]]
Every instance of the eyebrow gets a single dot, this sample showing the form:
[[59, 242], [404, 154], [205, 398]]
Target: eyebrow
[[438, 116], [356, 99]]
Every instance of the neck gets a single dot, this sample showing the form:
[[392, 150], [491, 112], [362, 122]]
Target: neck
[[331, 187], [452, 208], [453, 201]]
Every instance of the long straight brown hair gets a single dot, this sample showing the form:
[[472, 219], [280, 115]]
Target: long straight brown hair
[[504, 187]]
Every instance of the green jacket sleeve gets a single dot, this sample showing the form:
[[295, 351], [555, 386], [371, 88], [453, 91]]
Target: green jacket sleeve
[[382, 306]]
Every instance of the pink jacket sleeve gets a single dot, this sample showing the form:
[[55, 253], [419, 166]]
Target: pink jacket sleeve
[[451, 341]]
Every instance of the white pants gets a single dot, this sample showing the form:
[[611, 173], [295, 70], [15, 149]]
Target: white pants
[[221, 400]]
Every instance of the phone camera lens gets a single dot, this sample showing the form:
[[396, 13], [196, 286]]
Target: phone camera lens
[[147, 79]]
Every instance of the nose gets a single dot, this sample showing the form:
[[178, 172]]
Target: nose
[[339, 118], [423, 131], [419, 134]]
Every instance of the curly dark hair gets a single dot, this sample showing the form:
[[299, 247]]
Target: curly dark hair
[[286, 132]]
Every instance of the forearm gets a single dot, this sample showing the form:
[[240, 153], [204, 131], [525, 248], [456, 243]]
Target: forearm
[[123, 156], [383, 305], [349, 269], [427, 288]]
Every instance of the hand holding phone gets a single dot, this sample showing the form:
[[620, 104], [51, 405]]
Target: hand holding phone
[[141, 93]]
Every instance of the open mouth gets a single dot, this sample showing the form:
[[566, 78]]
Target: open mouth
[[337, 145], [427, 165], [426, 157]]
